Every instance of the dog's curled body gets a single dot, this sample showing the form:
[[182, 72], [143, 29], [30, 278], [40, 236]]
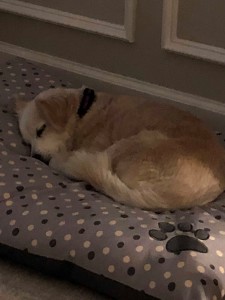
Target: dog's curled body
[[137, 151]]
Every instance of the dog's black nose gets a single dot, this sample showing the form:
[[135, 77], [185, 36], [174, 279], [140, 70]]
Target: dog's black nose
[[41, 158], [37, 156]]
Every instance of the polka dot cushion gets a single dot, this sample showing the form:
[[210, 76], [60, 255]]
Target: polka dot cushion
[[67, 228]]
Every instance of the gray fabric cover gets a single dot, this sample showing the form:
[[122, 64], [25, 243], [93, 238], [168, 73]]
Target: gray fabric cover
[[171, 255]]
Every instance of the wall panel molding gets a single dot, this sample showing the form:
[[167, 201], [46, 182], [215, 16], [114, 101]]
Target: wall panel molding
[[171, 42], [174, 96], [124, 32]]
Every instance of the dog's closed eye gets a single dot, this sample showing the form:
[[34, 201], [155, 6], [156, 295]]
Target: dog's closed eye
[[39, 131]]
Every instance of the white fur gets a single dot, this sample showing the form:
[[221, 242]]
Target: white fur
[[95, 168]]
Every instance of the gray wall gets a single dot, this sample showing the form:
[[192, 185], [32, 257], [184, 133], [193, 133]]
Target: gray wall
[[106, 10], [144, 59]]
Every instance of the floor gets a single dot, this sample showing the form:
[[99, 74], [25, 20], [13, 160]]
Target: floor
[[20, 283]]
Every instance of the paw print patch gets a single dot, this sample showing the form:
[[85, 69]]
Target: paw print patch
[[181, 242]]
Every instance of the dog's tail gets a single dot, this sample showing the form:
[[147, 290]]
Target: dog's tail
[[96, 169]]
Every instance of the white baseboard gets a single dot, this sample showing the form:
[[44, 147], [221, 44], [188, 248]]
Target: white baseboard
[[116, 79]]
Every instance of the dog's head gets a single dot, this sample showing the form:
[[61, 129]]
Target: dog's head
[[45, 121]]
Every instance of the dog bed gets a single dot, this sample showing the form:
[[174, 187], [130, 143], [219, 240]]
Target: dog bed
[[67, 229]]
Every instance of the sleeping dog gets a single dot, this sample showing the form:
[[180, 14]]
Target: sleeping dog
[[139, 152]]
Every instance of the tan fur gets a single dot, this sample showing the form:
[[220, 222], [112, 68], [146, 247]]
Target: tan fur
[[139, 152]]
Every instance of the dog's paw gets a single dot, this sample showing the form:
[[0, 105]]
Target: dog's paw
[[181, 242]]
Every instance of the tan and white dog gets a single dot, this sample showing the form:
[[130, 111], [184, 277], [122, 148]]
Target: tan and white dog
[[137, 151]]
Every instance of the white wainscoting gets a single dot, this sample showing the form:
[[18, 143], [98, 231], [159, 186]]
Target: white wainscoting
[[125, 31], [171, 42]]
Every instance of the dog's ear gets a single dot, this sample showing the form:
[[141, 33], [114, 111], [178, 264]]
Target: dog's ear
[[57, 110], [18, 104]]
